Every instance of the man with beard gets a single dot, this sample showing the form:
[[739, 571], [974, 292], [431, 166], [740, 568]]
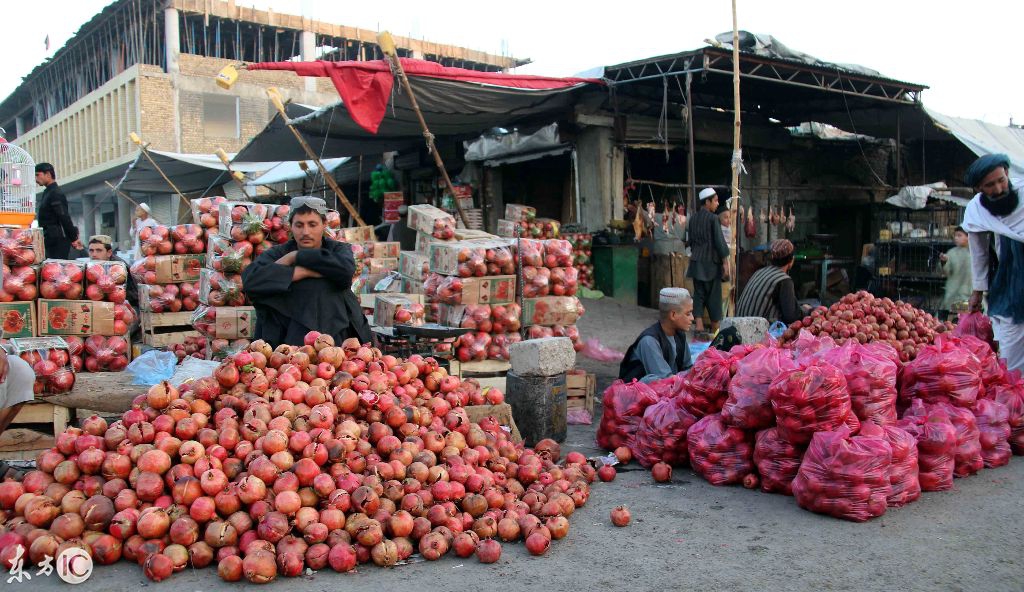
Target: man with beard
[[996, 211], [305, 284]]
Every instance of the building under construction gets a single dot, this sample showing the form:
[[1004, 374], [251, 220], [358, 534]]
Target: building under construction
[[148, 66]]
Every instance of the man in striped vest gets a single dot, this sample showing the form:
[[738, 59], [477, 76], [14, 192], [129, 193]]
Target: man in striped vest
[[770, 293]]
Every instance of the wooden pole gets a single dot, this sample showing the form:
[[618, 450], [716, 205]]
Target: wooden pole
[[237, 177], [691, 199], [736, 155], [145, 152], [387, 44], [275, 98], [119, 192]]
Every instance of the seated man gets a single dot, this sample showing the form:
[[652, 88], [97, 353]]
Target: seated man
[[16, 378], [770, 293], [101, 248], [661, 350], [305, 284]]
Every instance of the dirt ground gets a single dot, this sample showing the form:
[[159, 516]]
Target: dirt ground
[[691, 535]]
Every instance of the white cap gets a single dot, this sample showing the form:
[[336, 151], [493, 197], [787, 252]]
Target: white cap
[[707, 193], [145, 206], [674, 296]]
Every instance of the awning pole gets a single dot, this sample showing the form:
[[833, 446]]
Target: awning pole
[[237, 176], [275, 98], [144, 147], [387, 45], [737, 154]]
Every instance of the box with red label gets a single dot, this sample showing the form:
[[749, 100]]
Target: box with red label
[[520, 213], [225, 322], [381, 250], [413, 264], [398, 309], [356, 234], [431, 220], [168, 269], [376, 266], [499, 289], [510, 228], [411, 285], [19, 319], [393, 200], [81, 317], [458, 258], [424, 240], [21, 246], [551, 310]]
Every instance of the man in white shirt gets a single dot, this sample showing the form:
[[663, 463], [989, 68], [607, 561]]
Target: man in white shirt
[[996, 211], [16, 378]]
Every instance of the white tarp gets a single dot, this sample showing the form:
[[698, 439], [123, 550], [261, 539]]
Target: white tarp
[[291, 171], [985, 138]]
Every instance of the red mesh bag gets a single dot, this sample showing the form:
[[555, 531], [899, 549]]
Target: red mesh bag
[[967, 454], [662, 434], [807, 346], [978, 325], [668, 387], [845, 477], [994, 432], [936, 445], [747, 406], [870, 374], [1011, 394], [777, 461], [808, 400], [624, 405], [992, 372], [903, 471], [721, 454], [707, 383], [943, 372]]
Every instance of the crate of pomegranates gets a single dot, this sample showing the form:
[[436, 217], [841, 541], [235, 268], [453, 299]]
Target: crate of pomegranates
[[50, 358]]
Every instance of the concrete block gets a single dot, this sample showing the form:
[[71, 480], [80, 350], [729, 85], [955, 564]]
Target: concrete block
[[547, 356], [750, 329]]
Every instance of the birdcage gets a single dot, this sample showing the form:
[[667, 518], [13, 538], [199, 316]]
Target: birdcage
[[17, 185]]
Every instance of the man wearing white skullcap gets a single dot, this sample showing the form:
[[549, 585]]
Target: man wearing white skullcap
[[143, 219], [661, 350], [707, 253]]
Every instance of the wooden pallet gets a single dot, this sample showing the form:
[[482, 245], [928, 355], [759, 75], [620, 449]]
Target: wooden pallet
[[42, 411], [480, 369], [164, 328], [580, 390]]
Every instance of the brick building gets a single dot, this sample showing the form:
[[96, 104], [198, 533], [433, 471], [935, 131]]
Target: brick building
[[148, 65]]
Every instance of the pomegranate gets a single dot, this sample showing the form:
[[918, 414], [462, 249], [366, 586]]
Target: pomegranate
[[661, 472], [230, 568], [606, 473], [488, 551], [538, 543], [620, 516], [259, 567], [158, 567]]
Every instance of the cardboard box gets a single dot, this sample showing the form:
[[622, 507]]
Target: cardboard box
[[423, 218], [551, 310], [376, 266], [517, 212], [391, 216], [75, 317], [497, 289], [19, 319], [393, 200], [226, 322], [356, 234], [414, 265], [377, 283], [386, 305], [444, 257], [370, 300], [381, 250], [463, 234], [27, 246], [411, 285], [424, 241], [508, 228], [168, 269]]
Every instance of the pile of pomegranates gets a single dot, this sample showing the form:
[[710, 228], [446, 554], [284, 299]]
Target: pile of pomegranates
[[221, 289], [61, 279], [864, 317], [50, 359], [16, 246], [205, 213], [315, 456], [161, 298], [105, 281], [19, 283]]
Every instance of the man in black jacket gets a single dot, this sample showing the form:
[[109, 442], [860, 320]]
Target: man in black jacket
[[59, 232], [661, 350], [708, 251], [305, 284]]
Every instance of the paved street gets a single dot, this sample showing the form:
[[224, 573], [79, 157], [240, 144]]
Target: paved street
[[691, 535]]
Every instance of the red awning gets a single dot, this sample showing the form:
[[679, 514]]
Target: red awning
[[365, 87]]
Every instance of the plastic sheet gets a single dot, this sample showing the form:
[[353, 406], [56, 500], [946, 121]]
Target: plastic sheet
[[808, 400], [153, 367], [777, 461], [707, 383], [903, 472], [870, 373], [845, 477], [662, 434], [595, 350], [994, 432], [748, 406], [943, 372], [624, 405], [723, 455], [936, 445]]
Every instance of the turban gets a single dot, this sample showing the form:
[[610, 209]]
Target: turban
[[707, 193], [983, 166]]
